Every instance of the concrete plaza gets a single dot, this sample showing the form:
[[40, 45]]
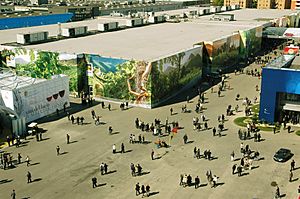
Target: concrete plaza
[[68, 176]]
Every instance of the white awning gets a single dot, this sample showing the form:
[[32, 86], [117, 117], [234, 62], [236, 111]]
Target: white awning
[[292, 107], [32, 124]]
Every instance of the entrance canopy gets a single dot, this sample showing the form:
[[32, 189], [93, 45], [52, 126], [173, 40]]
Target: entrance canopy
[[281, 33], [292, 107]]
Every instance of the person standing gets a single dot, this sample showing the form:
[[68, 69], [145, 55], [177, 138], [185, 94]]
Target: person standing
[[171, 111], [105, 168], [29, 180], [109, 107], [68, 139], [69, 116], [258, 137], [197, 182], [148, 190], [13, 194], [291, 176], [289, 129], [19, 158], [110, 130], [41, 136], [102, 168], [37, 136], [57, 150], [233, 169], [232, 156], [114, 148], [72, 119], [214, 131], [143, 190], [122, 148], [152, 154]]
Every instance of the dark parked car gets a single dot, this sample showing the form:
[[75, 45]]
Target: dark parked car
[[283, 155]]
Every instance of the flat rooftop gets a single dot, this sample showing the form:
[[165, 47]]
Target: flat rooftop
[[9, 81], [151, 41]]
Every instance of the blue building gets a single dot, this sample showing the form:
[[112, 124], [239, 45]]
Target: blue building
[[280, 90]]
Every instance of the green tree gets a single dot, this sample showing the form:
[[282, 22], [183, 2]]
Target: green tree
[[218, 2]]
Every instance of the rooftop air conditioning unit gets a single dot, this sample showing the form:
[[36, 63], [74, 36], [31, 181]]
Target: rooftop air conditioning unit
[[103, 27], [74, 31], [33, 37]]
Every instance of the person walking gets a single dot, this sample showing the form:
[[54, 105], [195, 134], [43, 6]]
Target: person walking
[[185, 138], [137, 189], [94, 182], [27, 160], [68, 139], [171, 111], [57, 150], [277, 194], [293, 163], [109, 107], [13, 194], [29, 180]]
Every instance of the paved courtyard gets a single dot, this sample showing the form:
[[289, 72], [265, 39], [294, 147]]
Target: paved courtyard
[[68, 176]]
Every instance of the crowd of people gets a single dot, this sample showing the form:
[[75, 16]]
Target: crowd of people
[[169, 128]]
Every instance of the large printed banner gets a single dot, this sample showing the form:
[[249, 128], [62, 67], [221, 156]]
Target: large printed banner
[[41, 99], [250, 41], [171, 74], [38, 99], [224, 52], [119, 79], [41, 64]]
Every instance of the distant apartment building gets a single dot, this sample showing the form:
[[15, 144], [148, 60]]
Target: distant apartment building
[[295, 5], [274, 4], [241, 3]]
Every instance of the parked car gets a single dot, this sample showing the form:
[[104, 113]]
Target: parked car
[[283, 155]]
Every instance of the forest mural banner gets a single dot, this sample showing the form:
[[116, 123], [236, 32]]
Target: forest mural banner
[[250, 41], [224, 52], [41, 64], [171, 74], [119, 79]]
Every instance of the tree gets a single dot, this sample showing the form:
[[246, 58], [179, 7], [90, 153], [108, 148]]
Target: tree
[[218, 2]]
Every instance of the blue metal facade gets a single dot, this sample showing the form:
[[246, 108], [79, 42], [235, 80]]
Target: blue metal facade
[[276, 80], [19, 22]]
